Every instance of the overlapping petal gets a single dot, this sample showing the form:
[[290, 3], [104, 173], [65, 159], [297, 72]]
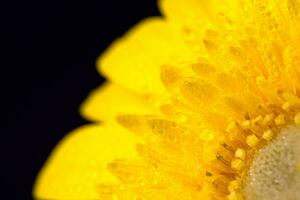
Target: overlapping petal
[[110, 100], [134, 61], [78, 165]]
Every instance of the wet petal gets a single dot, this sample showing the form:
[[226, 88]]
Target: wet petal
[[78, 165], [134, 61], [109, 100]]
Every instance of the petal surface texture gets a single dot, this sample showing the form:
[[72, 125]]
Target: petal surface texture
[[109, 100], [79, 163], [134, 61]]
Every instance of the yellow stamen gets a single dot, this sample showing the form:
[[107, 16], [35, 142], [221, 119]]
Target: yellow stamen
[[280, 120], [286, 106], [246, 124], [268, 135], [234, 185], [268, 119], [237, 164], [240, 153], [252, 140]]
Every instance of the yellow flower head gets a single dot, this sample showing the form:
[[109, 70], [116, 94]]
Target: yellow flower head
[[201, 103]]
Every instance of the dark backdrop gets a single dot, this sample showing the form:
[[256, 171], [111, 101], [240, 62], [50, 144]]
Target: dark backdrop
[[47, 67]]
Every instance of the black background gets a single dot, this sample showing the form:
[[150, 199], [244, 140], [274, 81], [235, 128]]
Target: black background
[[47, 68]]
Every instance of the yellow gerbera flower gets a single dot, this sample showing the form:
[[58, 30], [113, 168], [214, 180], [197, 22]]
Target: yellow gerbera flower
[[202, 103]]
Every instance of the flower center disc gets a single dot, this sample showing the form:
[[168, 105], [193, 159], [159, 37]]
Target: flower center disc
[[275, 170]]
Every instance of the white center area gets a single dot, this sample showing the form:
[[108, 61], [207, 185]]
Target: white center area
[[275, 170]]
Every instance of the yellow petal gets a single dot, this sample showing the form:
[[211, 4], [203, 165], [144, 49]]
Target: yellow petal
[[110, 100], [79, 163], [135, 60], [181, 9], [195, 11]]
